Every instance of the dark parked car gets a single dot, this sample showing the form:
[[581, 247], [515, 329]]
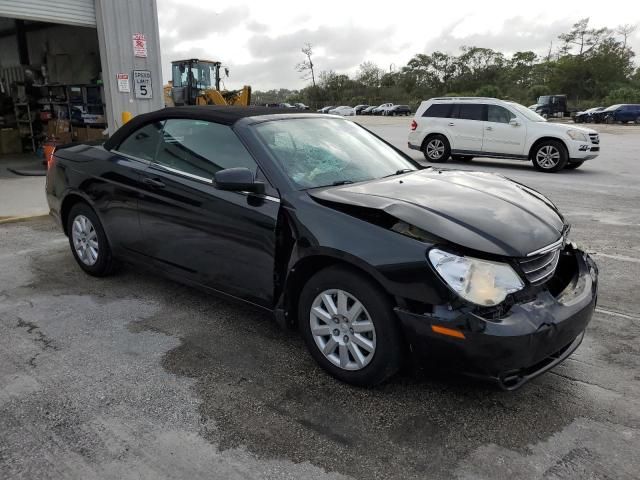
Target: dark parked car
[[301, 106], [326, 109], [587, 116], [397, 110], [333, 230], [622, 113], [359, 108], [368, 110]]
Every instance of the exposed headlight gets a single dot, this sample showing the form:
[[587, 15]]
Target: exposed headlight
[[478, 281], [577, 135]]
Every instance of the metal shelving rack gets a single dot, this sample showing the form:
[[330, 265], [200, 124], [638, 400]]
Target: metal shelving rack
[[21, 122]]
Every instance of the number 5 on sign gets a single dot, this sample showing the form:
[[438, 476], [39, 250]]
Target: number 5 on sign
[[142, 84]]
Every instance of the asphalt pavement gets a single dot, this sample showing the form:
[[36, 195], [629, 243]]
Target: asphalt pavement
[[134, 376]]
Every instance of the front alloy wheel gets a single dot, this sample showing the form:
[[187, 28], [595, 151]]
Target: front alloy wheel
[[342, 329], [550, 156], [348, 324]]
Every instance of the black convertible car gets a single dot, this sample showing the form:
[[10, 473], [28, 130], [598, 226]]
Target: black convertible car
[[337, 232]]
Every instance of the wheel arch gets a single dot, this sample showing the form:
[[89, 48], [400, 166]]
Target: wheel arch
[[433, 134], [71, 199], [546, 138], [305, 267]]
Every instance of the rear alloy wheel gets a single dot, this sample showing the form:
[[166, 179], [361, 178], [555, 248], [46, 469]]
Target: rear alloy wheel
[[550, 156], [349, 327], [436, 149], [88, 241], [573, 165]]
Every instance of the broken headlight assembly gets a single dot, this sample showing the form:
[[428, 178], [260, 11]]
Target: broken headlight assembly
[[481, 282]]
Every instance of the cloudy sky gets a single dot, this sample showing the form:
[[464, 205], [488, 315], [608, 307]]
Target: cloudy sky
[[260, 41]]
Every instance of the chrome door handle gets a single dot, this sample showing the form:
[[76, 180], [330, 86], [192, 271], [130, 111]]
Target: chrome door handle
[[489, 128], [451, 124]]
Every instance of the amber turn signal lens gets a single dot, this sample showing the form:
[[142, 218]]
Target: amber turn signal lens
[[447, 331]]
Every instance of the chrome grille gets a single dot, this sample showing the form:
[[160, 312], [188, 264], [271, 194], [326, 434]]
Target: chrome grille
[[539, 268], [595, 138]]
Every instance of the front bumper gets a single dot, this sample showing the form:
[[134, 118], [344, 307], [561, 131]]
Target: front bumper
[[581, 151], [529, 340]]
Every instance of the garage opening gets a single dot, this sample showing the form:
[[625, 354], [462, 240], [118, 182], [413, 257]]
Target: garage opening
[[51, 89]]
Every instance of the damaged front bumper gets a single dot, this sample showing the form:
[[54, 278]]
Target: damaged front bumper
[[528, 340]]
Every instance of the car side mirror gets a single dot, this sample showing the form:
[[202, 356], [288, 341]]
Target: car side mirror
[[237, 179], [514, 122]]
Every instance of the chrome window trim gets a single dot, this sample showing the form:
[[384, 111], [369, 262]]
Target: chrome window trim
[[131, 157], [183, 173]]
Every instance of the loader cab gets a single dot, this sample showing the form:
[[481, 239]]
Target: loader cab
[[192, 76]]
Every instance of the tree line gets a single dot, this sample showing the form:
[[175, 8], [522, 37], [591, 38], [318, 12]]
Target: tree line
[[591, 65]]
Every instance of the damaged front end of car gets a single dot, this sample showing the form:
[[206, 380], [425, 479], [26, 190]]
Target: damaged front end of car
[[528, 333]]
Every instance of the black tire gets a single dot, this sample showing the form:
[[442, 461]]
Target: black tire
[[445, 153], [551, 146], [389, 348], [609, 120], [573, 165], [462, 158], [104, 262]]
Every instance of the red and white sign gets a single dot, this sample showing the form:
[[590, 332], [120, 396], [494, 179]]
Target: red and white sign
[[139, 45], [123, 82]]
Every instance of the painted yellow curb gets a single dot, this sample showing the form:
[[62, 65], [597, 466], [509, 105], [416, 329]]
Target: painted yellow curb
[[22, 218]]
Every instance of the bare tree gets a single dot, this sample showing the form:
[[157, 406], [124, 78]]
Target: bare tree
[[306, 67], [583, 37], [625, 31]]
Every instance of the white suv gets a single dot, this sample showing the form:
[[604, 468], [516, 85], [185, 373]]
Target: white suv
[[469, 127]]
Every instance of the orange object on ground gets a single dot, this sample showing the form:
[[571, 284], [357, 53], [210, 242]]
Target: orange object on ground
[[49, 148]]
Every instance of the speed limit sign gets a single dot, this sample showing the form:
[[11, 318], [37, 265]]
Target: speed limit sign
[[142, 84]]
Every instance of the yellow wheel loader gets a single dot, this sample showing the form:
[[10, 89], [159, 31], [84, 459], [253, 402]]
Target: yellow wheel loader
[[197, 82]]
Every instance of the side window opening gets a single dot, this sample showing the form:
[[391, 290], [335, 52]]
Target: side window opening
[[438, 110], [143, 142], [471, 111], [498, 114], [201, 148]]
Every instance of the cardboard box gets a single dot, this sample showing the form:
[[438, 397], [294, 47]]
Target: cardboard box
[[62, 126], [87, 134], [63, 138], [10, 141], [57, 127]]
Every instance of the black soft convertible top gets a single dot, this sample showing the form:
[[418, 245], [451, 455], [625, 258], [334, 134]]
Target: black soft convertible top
[[226, 115]]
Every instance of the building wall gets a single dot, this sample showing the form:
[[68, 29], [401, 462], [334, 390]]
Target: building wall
[[117, 22]]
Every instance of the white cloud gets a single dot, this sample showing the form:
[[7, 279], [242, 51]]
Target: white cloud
[[260, 41]]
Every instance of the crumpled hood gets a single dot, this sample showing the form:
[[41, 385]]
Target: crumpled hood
[[481, 211]]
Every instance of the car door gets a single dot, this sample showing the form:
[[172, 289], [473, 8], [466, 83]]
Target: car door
[[221, 239], [119, 186], [466, 126], [500, 136]]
